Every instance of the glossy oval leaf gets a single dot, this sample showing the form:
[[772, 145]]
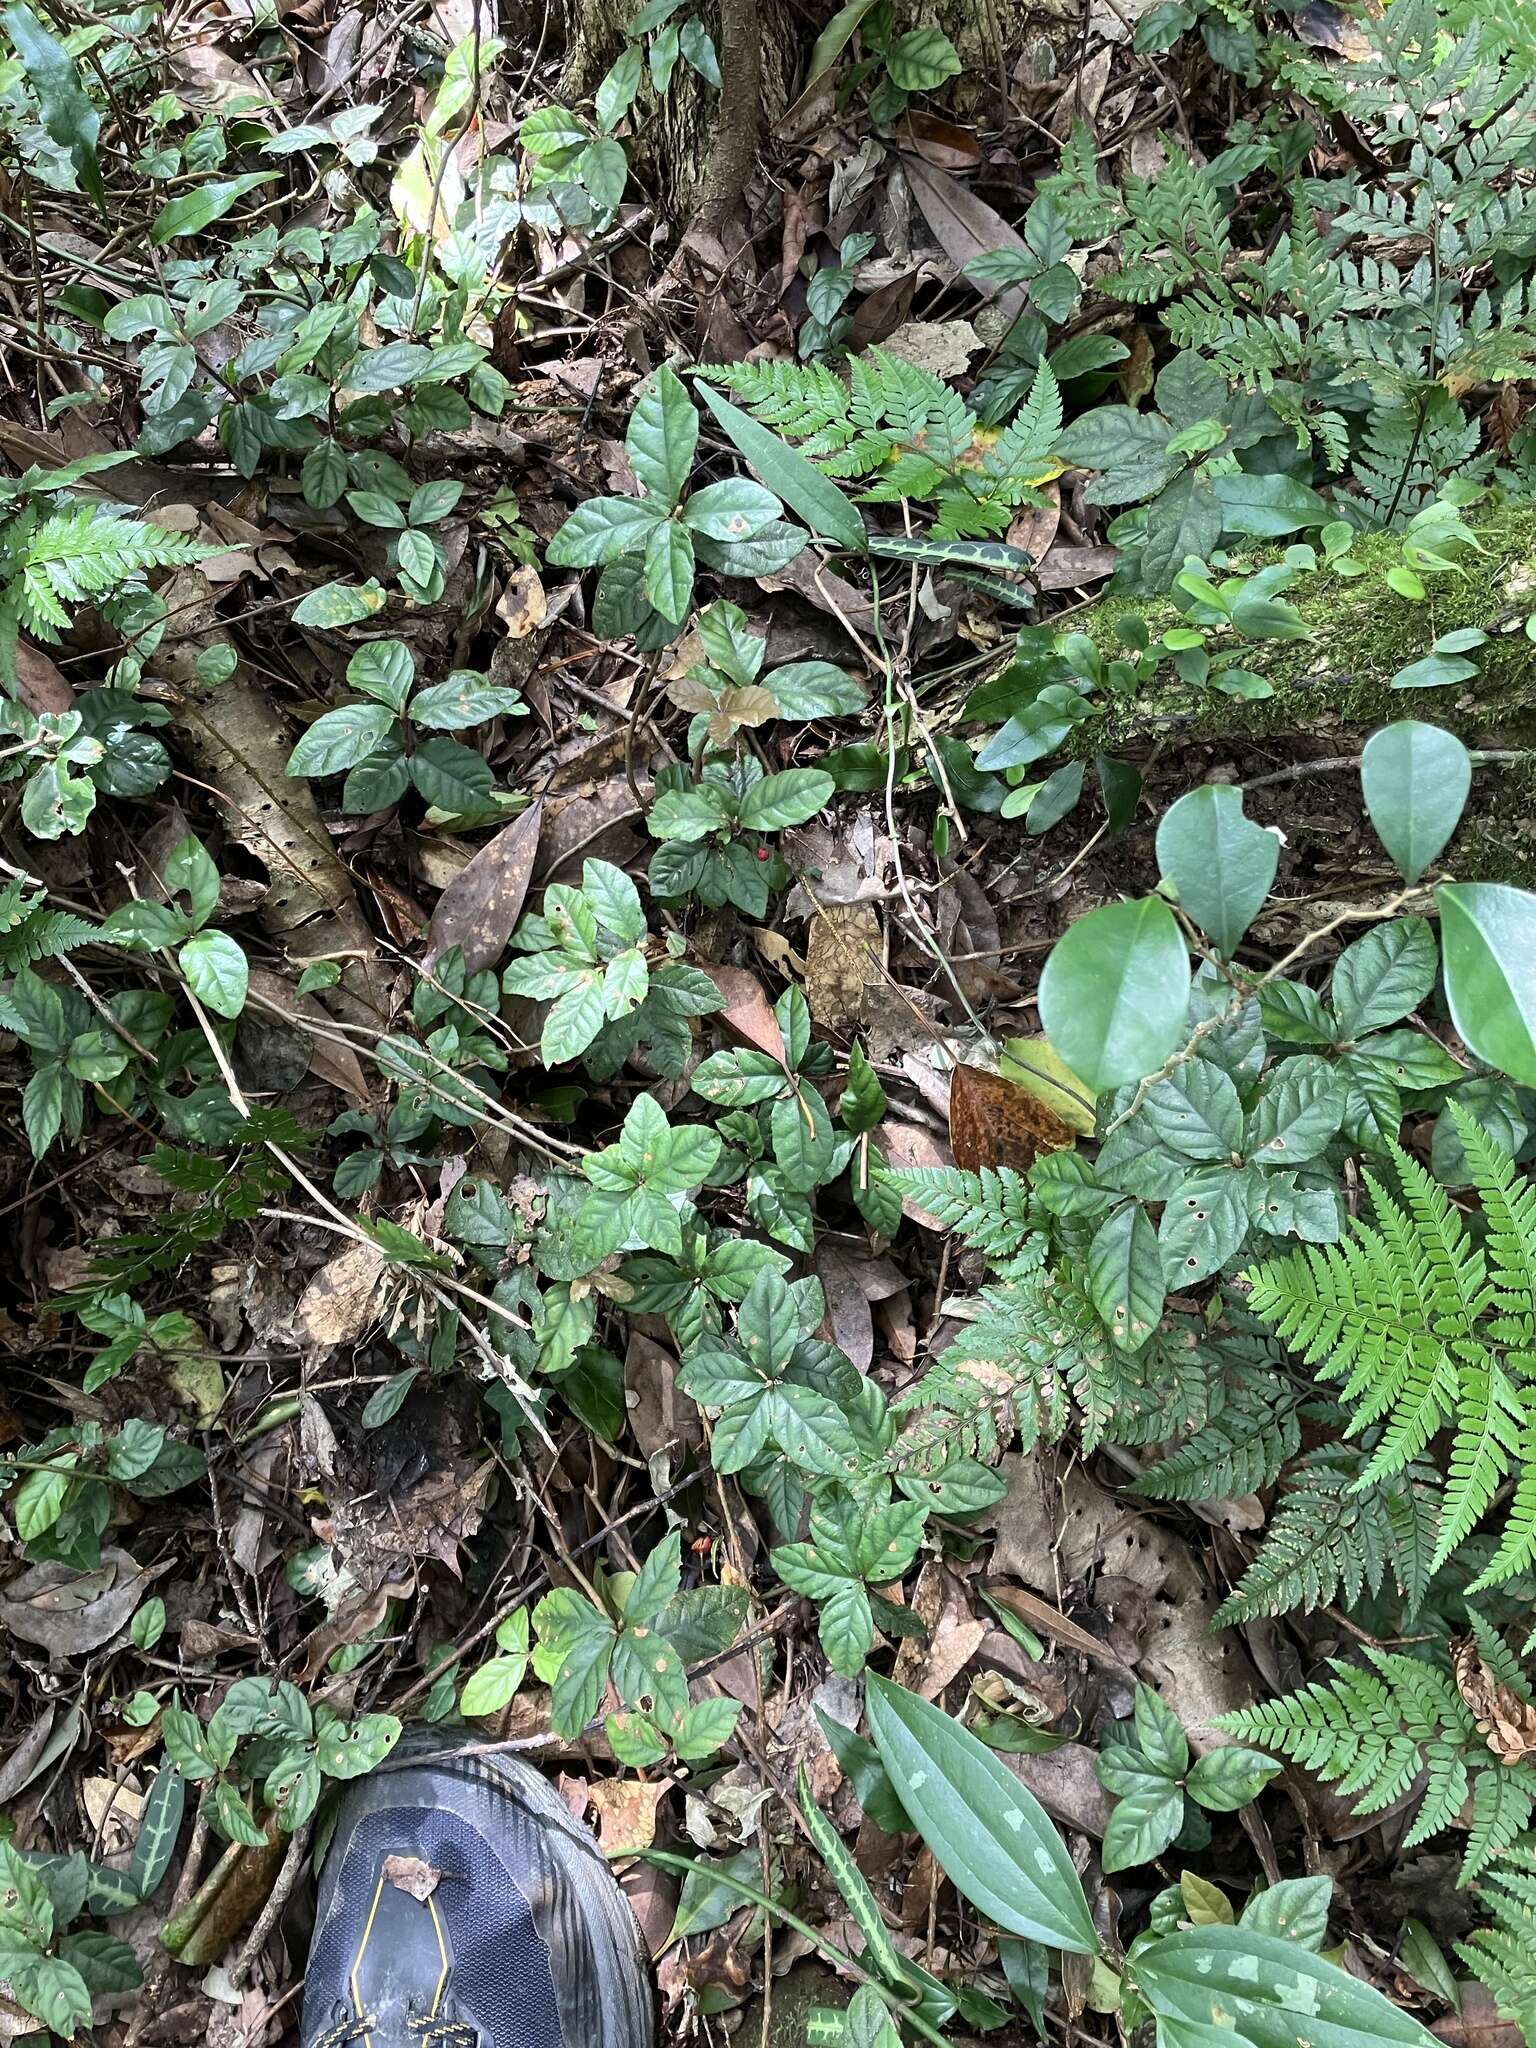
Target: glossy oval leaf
[[1221, 863], [992, 1838], [1415, 779], [1267, 1992], [1488, 951], [1115, 992]]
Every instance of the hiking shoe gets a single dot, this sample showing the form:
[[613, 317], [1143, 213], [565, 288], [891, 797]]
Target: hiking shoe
[[462, 1907]]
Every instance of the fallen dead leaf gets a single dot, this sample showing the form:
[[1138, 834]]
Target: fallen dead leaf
[[339, 1302], [483, 902], [748, 1015], [1508, 1721], [626, 1809], [411, 1874], [522, 607], [844, 952]]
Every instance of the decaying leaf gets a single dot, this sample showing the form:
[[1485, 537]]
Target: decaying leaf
[[68, 1612]]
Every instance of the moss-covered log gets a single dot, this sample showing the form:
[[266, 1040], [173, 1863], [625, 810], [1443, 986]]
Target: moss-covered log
[[1333, 689]]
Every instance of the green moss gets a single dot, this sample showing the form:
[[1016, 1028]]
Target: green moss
[[1362, 633]]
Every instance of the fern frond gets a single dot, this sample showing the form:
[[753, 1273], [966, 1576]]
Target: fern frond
[[1243, 1447], [990, 1209], [29, 932], [1327, 1541], [1398, 1728], [1426, 1328], [1502, 1955]]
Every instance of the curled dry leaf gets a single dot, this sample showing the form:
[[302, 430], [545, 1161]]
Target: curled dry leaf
[[1508, 1721]]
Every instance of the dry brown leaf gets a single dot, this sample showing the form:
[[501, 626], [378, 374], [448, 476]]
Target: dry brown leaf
[[748, 1015], [902, 1144], [844, 952], [937, 142], [993, 1122], [522, 607], [1072, 568], [42, 684], [483, 902], [626, 1809], [964, 227], [330, 1057], [70, 1612], [411, 1874], [1507, 1721], [340, 1301]]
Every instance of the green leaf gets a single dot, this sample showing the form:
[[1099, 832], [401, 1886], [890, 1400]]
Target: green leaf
[[814, 689], [351, 1749], [390, 368], [340, 604], [1267, 505], [1298, 1112], [148, 1624], [466, 699], [385, 1402], [1225, 1779], [834, 38], [1488, 944], [1142, 1826], [158, 1829], [1125, 1275], [698, 48], [921, 60], [324, 476], [733, 510], [383, 670], [1221, 863], [1433, 672], [663, 434], [603, 529], [616, 92], [200, 208], [493, 1686], [451, 777], [53, 1992], [39, 1500], [1115, 992], [1295, 1908], [1415, 779], [106, 1964], [989, 1835], [340, 739], [1267, 1992], [1160, 1734], [790, 475], [790, 797], [69, 119], [1383, 976], [669, 569], [216, 971]]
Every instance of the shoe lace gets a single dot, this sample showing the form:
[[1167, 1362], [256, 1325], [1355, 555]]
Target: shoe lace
[[430, 2033]]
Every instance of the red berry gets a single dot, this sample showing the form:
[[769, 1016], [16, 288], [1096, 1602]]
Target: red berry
[[763, 853]]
